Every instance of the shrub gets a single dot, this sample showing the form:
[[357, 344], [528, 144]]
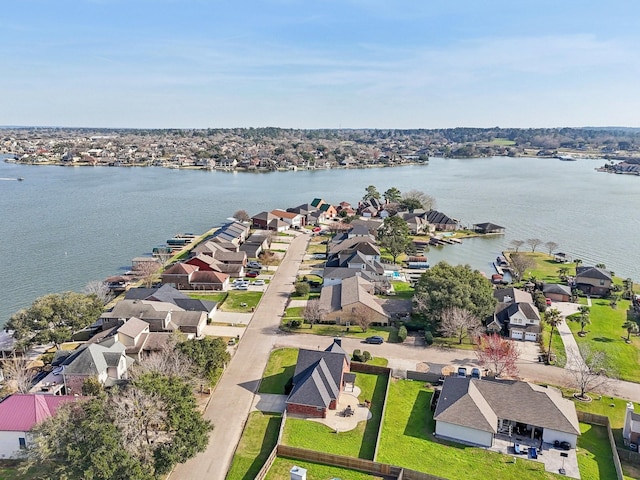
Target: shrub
[[428, 337], [295, 323], [402, 334], [366, 356], [357, 355], [302, 289]]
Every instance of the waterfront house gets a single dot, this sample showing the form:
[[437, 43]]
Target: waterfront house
[[515, 315], [294, 220], [352, 296], [318, 380], [475, 411], [593, 281], [439, 221], [557, 292], [168, 294], [19, 413]]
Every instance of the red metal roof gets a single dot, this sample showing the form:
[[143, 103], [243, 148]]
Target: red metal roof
[[20, 412]]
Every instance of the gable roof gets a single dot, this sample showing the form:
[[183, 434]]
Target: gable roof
[[180, 269], [478, 404], [556, 288], [21, 412], [133, 327], [593, 272], [515, 294], [93, 359]]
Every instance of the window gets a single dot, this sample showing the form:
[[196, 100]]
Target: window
[[602, 283], [23, 443]]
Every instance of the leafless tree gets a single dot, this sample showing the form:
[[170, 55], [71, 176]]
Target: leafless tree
[[588, 369], [167, 361], [424, 199], [100, 290], [147, 271], [533, 243], [498, 355], [313, 312], [516, 244], [459, 323], [140, 418], [551, 246], [520, 263], [360, 316], [18, 376], [242, 216]]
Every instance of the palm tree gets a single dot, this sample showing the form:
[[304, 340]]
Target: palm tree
[[578, 262], [631, 326], [563, 272], [553, 318], [583, 318]]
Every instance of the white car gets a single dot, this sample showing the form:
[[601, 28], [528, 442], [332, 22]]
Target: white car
[[242, 286], [258, 282]]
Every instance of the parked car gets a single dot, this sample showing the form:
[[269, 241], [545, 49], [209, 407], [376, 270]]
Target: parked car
[[253, 264], [462, 372], [548, 300], [242, 286], [258, 282], [375, 339], [476, 373], [251, 274], [316, 229]]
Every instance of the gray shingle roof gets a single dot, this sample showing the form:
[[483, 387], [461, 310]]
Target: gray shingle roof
[[556, 288], [479, 403]]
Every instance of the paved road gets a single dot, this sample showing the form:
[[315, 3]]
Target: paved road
[[232, 399], [402, 356]]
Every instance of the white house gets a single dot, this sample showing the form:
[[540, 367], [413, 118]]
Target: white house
[[631, 429], [19, 413], [476, 411]]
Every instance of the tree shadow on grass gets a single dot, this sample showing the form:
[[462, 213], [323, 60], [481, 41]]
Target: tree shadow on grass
[[603, 339], [420, 423], [268, 443]]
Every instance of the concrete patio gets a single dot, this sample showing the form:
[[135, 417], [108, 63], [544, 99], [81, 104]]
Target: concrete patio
[[335, 419]]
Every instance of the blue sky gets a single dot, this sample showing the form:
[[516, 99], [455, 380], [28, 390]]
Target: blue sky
[[320, 63]]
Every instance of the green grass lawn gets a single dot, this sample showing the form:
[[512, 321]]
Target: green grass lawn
[[316, 247], [390, 334], [450, 342], [359, 442], [557, 345], [403, 290], [236, 299], [211, 297], [606, 334], [545, 269], [10, 470], [407, 441], [294, 313], [315, 471], [279, 370], [258, 439], [594, 453], [502, 141]]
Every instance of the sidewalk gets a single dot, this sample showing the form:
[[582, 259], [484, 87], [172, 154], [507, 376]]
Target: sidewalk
[[569, 341]]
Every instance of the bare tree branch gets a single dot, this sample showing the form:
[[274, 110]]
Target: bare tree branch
[[18, 376], [459, 323], [588, 369]]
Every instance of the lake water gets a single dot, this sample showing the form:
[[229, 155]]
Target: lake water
[[63, 227]]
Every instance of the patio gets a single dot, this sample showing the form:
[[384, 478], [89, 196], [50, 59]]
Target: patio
[[337, 420], [551, 457]]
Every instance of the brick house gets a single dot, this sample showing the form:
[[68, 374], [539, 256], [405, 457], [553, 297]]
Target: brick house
[[593, 281], [318, 380]]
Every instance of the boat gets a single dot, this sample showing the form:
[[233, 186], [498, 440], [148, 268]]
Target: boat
[[20, 179], [566, 158]]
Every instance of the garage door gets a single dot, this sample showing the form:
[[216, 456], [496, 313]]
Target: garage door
[[531, 336], [516, 334]]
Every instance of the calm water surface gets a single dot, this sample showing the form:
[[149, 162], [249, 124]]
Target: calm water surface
[[63, 227]]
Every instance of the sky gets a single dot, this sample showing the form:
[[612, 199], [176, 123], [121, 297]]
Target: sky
[[320, 63]]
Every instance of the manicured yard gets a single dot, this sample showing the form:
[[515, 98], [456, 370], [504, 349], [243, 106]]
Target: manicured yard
[[390, 334], [258, 440], [407, 440], [557, 345], [316, 247], [403, 290], [294, 313], [212, 297], [279, 370], [606, 334], [359, 442], [594, 453], [545, 269], [315, 471], [241, 301], [450, 342]]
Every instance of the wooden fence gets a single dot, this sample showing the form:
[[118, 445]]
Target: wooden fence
[[262, 474], [366, 368], [595, 419]]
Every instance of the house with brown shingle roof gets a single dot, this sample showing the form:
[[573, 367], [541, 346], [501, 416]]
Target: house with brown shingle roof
[[475, 411], [340, 302]]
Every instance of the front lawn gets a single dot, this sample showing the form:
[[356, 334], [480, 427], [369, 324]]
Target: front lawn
[[390, 334], [359, 442], [450, 342], [557, 345], [605, 333], [259, 437], [241, 301], [279, 370], [315, 471], [407, 441], [403, 290], [211, 297]]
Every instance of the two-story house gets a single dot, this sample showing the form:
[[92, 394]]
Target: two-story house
[[593, 281], [515, 315]]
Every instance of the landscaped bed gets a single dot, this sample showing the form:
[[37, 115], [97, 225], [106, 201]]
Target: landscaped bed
[[359, 442], [259, 437], [407, 440]]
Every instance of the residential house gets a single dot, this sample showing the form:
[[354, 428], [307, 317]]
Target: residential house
[[476, 411], [516, 315], [294, 220], [200, 273], [631, 428], [305, 210], [318, 380], [258, 242], [593, 281], [354, 295], [19, 413], [440, 221], [106, 361], [268, 221], [168, 294], [557, 292], [219, 263]]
